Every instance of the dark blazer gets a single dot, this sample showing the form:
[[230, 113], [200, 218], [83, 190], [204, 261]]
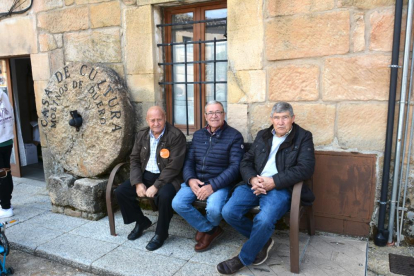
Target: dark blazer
[[171, 167], [295, 159], [215, 158]]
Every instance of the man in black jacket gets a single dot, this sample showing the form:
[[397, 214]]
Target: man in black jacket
[[156, 171], [280, 157]]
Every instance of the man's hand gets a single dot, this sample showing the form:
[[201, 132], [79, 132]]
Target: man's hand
[[194, 185], [204, 192], [140, 189], [262, 184], [151, 191]]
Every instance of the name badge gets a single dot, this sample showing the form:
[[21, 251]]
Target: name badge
[[164, 153]]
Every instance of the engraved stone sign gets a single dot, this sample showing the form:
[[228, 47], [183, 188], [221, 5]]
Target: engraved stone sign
[[96, 99]]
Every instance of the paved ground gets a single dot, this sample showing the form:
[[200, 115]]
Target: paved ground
[[88, 246], [26, 264]]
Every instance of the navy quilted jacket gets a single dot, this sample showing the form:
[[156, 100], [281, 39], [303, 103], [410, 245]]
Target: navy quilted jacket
[[215, 158]]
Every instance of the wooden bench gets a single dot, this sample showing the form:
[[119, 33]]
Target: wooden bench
[[297, 210]]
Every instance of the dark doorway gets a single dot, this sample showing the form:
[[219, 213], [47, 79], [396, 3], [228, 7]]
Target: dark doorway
[[28, 136]]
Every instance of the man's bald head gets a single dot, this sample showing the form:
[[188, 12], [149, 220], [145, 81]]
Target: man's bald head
[[156, 119]]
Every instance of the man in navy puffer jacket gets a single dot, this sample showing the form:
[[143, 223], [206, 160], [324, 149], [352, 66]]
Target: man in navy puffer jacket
[[210, 170]]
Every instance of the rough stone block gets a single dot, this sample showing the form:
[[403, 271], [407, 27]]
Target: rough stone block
[[105, 14], [283, 7], [50, 165], [39, 88], [245, 30], [356, 78], [70, 19], [294, 83], [47, 42], [313, 35], [72, 213], [58, 209], [318, 119], [382, 29], [93, 46], [69, 2], [358, 32], [362, 126], [40, 66], [246, 86], [21, 36], [129, 2], [139, 48], [364, 4], [88, 195], [260, 118], [44, 5], [59, 186], [56, 60], [237, 118], [141, 87]]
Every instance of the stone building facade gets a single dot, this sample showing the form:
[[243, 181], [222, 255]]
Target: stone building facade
[[329, 58]]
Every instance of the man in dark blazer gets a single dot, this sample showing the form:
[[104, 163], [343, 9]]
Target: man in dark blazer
[[156, 172], [281, 156]]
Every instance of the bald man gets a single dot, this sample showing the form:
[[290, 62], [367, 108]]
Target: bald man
[[156, 172]]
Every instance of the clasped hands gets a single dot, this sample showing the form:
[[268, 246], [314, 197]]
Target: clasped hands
[[142, 190], [203, 192], [262, 184]]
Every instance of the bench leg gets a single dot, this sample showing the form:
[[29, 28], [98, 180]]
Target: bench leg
[[294, 245], [111, 218], [311, 221]]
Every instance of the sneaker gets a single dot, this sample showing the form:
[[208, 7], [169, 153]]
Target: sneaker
[[230, 266], [6, 213], [264, 253], [11, 207]]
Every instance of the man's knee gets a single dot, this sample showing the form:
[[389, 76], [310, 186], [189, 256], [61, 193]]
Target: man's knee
[[178, 204], [122, 189], [228, 213], [265, 220], [214, 210]]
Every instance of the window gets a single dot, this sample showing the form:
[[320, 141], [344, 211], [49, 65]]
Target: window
[[195, 67]]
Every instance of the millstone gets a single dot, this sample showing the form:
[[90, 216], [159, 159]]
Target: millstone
[[101, 98]]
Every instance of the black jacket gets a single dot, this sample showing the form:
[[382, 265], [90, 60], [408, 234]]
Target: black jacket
[[295, 160], [170, 167]]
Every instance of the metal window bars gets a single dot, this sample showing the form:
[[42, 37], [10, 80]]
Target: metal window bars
[[199, 63]]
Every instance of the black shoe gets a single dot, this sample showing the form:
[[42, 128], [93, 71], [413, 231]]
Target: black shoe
[[230, 266], [264, 253], [138, 229], [155, 243]]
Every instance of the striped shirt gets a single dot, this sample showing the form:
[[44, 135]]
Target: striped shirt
[[152, 165]]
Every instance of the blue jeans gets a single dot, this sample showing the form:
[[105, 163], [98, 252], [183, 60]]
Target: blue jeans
[[182, 204], [273, 206]]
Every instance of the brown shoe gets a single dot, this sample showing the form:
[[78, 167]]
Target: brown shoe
[[264, 253], [205, 243], [230, 266], [199, 236]]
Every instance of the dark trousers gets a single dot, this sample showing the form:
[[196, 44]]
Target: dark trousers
[[131, 211], [6, 183]]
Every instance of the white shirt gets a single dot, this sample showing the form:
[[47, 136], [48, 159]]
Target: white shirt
[[152, 165], [270, 169]]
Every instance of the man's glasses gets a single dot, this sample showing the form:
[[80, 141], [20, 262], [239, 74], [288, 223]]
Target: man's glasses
[[217, 113]]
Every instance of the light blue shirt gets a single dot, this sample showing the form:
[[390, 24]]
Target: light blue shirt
[[152, 165], [270, 169]]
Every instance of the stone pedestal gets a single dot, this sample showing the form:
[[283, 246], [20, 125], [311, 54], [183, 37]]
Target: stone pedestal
[[78, 197]]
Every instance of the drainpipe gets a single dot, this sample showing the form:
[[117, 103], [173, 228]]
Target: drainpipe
[[380, 238], [400, 121]]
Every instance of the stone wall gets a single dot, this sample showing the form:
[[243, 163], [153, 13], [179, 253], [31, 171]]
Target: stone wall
[[329, 58]]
